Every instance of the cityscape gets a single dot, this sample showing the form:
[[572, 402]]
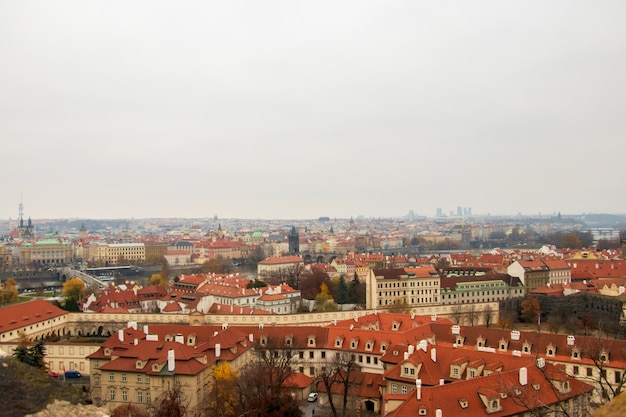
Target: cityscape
[[414, 315], [312, 209]]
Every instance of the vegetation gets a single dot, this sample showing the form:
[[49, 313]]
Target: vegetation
[[31, 354], [158, 279], [73, 290], [8, 292], [17, 378]]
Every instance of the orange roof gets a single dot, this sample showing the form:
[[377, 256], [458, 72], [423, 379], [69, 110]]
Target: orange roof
[[21, 315]]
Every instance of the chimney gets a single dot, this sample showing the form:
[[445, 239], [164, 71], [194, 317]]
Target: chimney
[[136, 341], [218, 350], [418, 385], [411, 349], [179, 338], [442, 381], [406, 356], [132, 324], [251, 337], [438, 413], [523, 376], [433, 354], [120, 335], [145, 328], [171, 360]]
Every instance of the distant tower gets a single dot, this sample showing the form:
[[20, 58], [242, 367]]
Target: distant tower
[[294, 240], [439, 212]]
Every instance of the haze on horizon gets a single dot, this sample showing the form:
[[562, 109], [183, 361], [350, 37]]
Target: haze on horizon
[[116, 109]]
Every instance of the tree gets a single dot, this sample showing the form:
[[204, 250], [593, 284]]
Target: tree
[[222, 399], [341, 291], [171, 403], [158, 279], [456, 312], [339, 372], [530, 309], [129, 410], [215, 266], [30, 354], [74, 289], [9, 293], [571, 241], [324, 301], [487, 315], [471, 314], [609, 384]]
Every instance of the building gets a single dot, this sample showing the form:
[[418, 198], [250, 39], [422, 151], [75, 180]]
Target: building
[[279, 265], [402, 286]]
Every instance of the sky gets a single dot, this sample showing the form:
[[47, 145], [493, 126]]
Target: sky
[[296, 110]]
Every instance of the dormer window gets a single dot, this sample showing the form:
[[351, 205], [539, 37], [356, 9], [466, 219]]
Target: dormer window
[[395, 325], [550, 350], [263, 341], [422, 410], [459, 340], [463, 403], [383, 347], [480, 342], [311, 341], [139, 364], [526, 347], [604, 357], [338, 342], [494, 405], [575, 353], [502, 344], [354, 343], [289, 340]]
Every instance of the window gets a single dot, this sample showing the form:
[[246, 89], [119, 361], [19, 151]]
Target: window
[[575, 370], [111, 376], [323, 354], [96, 380], [301, 355], [139, 397], [124, 395], [312, 370], [123, 377], [394, 389], [139, 378], [311, 355], [589, 372], [148, 399], [111, 394], [618, 377], [404, 389]]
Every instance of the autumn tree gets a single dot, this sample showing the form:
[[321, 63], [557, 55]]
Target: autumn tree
[[215, 266], [9, 293], [571, 241], [456, 313], [530, 309], [222, 397], [159, 280], [324, 301], [310, 283], [171, 403], [129, 410], [471, 313], [73, 290]]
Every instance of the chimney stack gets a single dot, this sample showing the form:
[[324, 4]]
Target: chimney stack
[[171, 360], [218, 350], [523, 376], [120, 335], [418, 386]]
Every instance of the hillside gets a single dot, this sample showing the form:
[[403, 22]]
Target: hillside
[[26, 389]]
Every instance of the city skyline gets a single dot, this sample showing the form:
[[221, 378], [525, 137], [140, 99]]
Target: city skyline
[[295, 111]]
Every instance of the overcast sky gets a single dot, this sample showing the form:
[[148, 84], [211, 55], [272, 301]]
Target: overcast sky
[[287, 109]]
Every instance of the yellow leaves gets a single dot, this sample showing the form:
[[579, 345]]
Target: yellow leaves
[[158, 279], [74, 289], [223, 372]]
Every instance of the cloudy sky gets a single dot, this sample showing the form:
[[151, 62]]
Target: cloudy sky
[[288, 109]]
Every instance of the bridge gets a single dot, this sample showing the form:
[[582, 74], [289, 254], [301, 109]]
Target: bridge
[[67, 273]]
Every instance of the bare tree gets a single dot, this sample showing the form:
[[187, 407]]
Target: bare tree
[[339, 372], [609, 381], [471, 314], [487, 315], [457, 313]]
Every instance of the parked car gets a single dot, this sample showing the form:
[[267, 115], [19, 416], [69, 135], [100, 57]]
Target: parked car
[[53, 374], [312, 397], [72, 374]]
